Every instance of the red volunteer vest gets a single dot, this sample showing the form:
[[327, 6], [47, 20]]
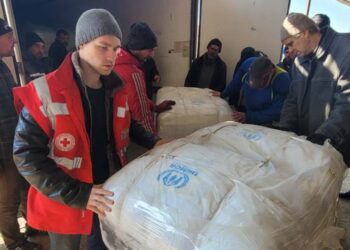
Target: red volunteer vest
[[54, 102]]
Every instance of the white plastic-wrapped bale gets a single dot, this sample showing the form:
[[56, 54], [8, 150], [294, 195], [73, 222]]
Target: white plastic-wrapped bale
[[229, 186], [195, 109]]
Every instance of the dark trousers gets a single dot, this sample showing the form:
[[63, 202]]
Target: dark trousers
[[94, 240], [72, 242], [64, 241], [13, 198]]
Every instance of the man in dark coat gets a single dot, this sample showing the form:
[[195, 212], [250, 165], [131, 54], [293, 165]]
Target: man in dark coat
[[208, 70], [318, 103], [13, 187], [35, 64]]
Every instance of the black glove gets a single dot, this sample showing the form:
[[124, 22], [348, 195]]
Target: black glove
[[343, 148], [165, 105], [317, 138]]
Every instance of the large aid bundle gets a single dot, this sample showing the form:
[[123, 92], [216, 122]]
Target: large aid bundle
[[228, 186], [195, 109]]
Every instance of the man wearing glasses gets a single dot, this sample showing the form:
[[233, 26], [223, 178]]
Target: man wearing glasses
[[208, 70], [318, 103]]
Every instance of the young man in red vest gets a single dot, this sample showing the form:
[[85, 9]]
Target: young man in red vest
[[68, 129]]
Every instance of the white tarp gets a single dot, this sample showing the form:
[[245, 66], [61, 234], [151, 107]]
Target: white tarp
[[195, 109], [229, 186]]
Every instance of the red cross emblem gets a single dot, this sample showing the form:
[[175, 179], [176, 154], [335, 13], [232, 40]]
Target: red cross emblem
[[65, 142]]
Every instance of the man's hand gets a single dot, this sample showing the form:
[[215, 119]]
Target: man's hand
[[239, 117], [162, 141], [156, 79], [165, 105], [98, 202], [215, 93]]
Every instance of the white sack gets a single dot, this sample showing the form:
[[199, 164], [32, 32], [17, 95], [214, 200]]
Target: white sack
[[195, 108], [229, 186]]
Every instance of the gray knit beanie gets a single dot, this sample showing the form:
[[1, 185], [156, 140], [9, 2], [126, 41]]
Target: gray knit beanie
[[95, 23]]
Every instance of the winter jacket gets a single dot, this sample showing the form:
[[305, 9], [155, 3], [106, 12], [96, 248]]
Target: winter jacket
[[150, 71], [218, 81], [131, 72], [8, 116], [232, 90], [52, 146], [319, 97], [57, 53], [263, 105]]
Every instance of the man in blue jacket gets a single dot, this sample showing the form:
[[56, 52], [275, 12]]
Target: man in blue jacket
[[259, 95], [232, 90]]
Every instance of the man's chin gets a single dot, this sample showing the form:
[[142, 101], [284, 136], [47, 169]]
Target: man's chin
[[105, 72]]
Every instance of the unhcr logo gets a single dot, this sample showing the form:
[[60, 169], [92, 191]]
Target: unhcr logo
[[177, 176], [252, 135]]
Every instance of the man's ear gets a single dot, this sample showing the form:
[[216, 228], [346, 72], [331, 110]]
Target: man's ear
[[305, 33]]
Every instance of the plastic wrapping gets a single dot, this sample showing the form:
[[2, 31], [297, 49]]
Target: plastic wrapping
[[229, 186], [195, 109]]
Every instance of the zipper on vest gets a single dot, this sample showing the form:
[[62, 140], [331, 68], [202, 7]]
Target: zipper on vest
[[83, 214]]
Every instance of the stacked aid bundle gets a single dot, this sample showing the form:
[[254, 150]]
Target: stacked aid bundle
[[229, 186], [195, 109]]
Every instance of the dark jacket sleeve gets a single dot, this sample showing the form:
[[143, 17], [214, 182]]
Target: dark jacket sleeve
[[56, 54], [141, 136], [289, 112], [336, 127], [30, 152], [219, 81], [193, 74], [233, 89]]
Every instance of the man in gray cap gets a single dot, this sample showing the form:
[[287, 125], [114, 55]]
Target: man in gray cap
[[65, 137], [318, 103], [13, 188]]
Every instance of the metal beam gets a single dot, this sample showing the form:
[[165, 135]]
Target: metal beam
[[308, 3], [346, 2], [196, 17], [18, 55]]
